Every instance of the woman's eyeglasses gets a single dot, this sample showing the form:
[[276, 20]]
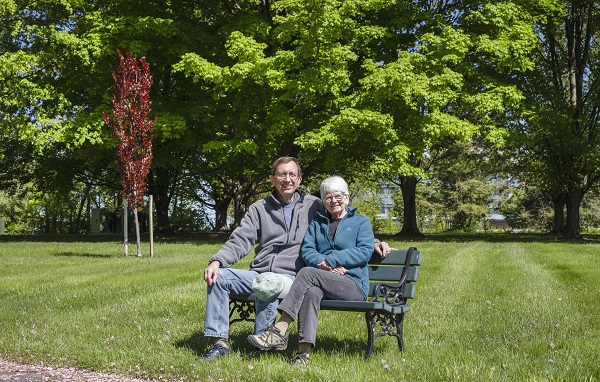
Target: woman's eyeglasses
[[338, 197]]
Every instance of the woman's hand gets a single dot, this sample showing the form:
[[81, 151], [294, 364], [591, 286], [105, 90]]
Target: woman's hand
[[339, 270], [324, 265]]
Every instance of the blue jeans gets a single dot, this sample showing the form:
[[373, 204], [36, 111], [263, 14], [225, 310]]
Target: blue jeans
[[234, 282]]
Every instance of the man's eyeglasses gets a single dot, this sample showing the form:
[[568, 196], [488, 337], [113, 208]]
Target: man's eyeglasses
[[283, 175], [338, 197]]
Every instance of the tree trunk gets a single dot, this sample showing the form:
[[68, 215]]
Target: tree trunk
[[239, 208], [158, 183], [241, 198], [558, 202], [408, 184], [221, 207], [82, 205], [573, 228], [162, 211]]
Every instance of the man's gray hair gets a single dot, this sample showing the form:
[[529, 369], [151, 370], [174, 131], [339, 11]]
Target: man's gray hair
[[284, 160], [334, 184]]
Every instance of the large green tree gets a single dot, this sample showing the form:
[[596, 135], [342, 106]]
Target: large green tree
[[343, 84], [161, 32], [57, 58], [35, 111], [560, 134]]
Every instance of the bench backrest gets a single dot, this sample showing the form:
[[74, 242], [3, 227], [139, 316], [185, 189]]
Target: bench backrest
[[391, 269]]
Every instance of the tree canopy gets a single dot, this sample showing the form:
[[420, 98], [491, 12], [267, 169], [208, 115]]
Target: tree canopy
[[371, 89]]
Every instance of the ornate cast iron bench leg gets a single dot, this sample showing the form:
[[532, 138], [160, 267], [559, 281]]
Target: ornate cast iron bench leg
[[386, 322], [399, 318], [371, 328]]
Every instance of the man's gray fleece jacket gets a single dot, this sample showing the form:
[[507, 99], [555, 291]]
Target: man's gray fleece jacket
[[278, 249]]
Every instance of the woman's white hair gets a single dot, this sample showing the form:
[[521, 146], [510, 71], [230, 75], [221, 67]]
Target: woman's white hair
[[334, 184]]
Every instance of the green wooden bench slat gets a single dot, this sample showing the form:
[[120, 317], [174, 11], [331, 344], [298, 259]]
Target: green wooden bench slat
[[398, 309], [409, 290], [357, 306], [397, 257], [391, 274], [361, 306]]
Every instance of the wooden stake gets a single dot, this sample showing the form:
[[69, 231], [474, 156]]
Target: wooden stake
[[125, 227], [150, 211]]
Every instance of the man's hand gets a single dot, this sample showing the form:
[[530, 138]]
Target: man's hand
[[211, 272], [383, 248]]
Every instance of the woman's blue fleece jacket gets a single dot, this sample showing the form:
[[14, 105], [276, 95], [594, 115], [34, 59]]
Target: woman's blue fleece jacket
[[351, 248]]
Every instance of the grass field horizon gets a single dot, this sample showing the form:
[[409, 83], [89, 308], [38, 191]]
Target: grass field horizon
[[490, 309]]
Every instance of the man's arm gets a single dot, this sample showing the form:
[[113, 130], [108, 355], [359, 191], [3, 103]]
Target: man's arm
[[241, 241]]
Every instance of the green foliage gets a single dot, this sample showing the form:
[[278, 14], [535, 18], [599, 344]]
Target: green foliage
[[368, 202], [7, 8], [473, 197], [459, 195], [349, 87], [525, 207], [430, 207], [12, 209], [507, 35]]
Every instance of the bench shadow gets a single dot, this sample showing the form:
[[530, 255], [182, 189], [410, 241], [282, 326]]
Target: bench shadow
[[195, 343], [198, 344]]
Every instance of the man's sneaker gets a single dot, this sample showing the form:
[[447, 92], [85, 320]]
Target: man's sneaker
[[301, 359], [269, 339], [215, 352]]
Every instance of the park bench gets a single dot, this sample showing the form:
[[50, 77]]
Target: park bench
[[392, 284]]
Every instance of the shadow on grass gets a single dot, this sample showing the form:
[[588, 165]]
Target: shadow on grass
[[79, 254], [199, 345], [179, 238], [499, 237], [196, 343]]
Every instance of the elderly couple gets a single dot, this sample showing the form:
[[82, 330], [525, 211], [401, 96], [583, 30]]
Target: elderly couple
[[292, 229]]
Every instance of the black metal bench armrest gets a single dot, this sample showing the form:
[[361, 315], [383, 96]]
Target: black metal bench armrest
[[390, 294], [393, 294]]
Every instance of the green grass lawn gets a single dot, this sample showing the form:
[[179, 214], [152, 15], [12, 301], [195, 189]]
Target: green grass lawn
[[508, 310]]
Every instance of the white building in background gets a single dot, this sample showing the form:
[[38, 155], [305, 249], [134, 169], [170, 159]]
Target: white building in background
[[386, 199]]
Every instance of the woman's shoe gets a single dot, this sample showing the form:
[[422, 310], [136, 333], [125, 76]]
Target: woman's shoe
[[269, 339], [301, 359]]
